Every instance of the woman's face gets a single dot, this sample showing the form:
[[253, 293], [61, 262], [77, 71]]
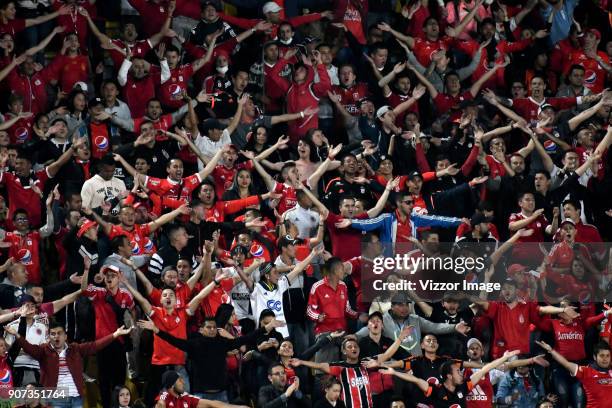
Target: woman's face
[[578, 269], [303, 149], [333, 393], [261, 136], [79, 102], [124, 397], [5, 140], [285, 349], [8, 43], [386, 167], [244, 178]]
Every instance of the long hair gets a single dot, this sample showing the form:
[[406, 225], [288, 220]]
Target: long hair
[[235, 189]]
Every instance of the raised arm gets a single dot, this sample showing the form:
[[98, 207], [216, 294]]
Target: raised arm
[[270, 183], [453, 32], [382, 201], [166, 218], [144, 303], [479, 375], [54, 167], [45, 42], [299, 268], [420, 383], [295, 362], [236, 118], [430, 88], [66, 300], [400, 37], [568, 365], [140, 275], [197, 299], [481, 81], [586, 114]]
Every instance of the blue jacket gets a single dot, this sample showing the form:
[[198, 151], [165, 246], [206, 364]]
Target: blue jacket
[[387, 224], [511, 383]]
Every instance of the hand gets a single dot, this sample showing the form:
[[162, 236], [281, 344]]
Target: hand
[[333, 97], [525, 232], [399, 67], [538, 212], [418, 91], [544, 346], [384, 27], [11, 330], [263, 25], [340, 26], [541, 34], [243, 99], [25, 115], [148, 325], [541, 361], [203, 97], [293, 387], [484, 44], [171, 7], [452, 170], [121, 331], [290, 53], [306, 60], [224, 333], [451, 32], [317, 57], [370, 363], [510, 354], [570, 311], [478, 180], [490, 97], [161, 51], [295, 362], [274, 323], [393, 184], [82, 11], [333, 151], [387, 370], [102, 116], [336, 334], [258, 222], [462, 328], [343, 223]]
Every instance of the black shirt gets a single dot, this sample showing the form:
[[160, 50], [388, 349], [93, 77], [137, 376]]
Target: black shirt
[[444, 398], [451, 344]]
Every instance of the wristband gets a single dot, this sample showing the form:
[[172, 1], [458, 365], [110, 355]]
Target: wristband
[[302, 114]]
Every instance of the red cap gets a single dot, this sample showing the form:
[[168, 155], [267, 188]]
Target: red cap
[[595, 32], [515, 269], [85, 227]]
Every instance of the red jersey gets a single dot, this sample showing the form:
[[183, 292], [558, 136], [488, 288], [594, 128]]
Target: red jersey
[[182, 292], [511, 326], [21, 132], [594, 74], [24, 249], [350, 96], [170, 93], [138, 236], [32, 88], [224, 177], [597, 386], [288, 199], [482, 394], [424, 49], [445, 103], [138, 91], [217, 297], [106, 320], [529, 252], [333, 303], [496, 168], [100, 140], [174, 323], [528, 108], [396, 99], [346, 242], [74, 22], [154, 14], [353, 21], [22, 196], [217, 212], [355, 380], [139, 49], [6, 377], [163, 123], [69, 70], [13, 26], [182, 401], [569, 338], [179, 190]]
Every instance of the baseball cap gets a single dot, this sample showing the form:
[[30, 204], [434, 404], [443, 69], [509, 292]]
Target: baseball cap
[[382, 110], [595, 32], [110, 268], [567, 221], [169, 378], [271, 7], [474, 340], [375, 314], [414, 174], [399, 298], [212, 123], [58, 119], [515, 269], [286, 241], [265, 268], [85, 227], [82, 85], [95, 102], [545, 106], [25, 299]]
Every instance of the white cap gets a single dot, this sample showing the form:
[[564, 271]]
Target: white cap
[[474, 340], [271, 7], [81, 85], [382, 110]]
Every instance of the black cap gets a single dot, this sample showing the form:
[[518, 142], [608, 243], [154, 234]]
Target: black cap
[[210, 124], [478, 218], [375, 314], [25, 299], [414, 174], [169, 378], [286, 241], [239, 249], [451, 297], [265, 268], [95, 102]]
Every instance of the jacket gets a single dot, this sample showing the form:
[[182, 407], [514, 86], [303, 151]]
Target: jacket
[[49, 359], [271, 397]]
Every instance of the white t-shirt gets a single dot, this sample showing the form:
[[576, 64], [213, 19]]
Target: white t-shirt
[[35, 334], [240, 295], [264, 298], [209, 148], [96, 191]]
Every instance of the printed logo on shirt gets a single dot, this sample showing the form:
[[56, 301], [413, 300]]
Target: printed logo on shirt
[[5, 376], [274, 305], [257, 251], [175, 91], [477, 394], [101, 142], [135, 248], [25, 256], [21, 134]]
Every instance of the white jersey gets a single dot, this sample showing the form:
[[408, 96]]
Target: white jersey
[[263, 297], [240, 296], [35, 334]]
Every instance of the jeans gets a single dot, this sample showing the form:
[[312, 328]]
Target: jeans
[[568, 388], [298, 333], [70, 402], [214, 396]]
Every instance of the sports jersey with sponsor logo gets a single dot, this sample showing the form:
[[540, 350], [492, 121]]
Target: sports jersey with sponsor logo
[[24, 249], [224, 177], [174, 323], [349, 97], [138, 236], [106, 320], [182, 401], [268, 296], [171, 92], [597, 386], [356, 391], [482, 394], [179, 190]]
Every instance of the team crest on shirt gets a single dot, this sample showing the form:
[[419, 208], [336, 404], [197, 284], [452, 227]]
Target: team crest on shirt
[[539, 225], [521, 319], [37, 82]]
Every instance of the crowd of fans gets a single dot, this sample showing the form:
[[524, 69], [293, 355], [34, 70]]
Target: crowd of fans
[[193, 194]]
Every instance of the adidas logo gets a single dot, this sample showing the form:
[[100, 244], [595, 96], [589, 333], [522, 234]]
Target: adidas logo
[[477, 394]]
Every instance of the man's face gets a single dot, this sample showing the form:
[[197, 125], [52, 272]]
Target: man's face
[[241, 80], [285, 33], [453, 84], [138, 68], [173, 58], [111, 279], [456, 377], [570, 212], [184, 270], [508, 293], [347, 207], [351, 349], [398, 404], [179, 386], [28, 66], [278, 377], [590, 40], [37, 293], [129, 33], [142, 166], [207, 194], [401, 310], [518, 90], [586, 138], [300, 74], [271, 53], [170, 278], [451, 306], [181, 237], [22, 167], [347, 76], [375, 325], [21, 221], [517, 164], [154, 110], [168, 298], [210, 13], [537, 86], [380, 57], [571, 161], [527, 202], [576, 77], [209, 329], [541, 183], [175, 169], [429, 344], [285, 349], [127, 216], [349, 165], [110, 91], [403, 85], [75, 202], [106, 171], [568, 232], [603, 358], [432, 29], [57, 338], [475, 351], [326, 55], [289, 251]]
